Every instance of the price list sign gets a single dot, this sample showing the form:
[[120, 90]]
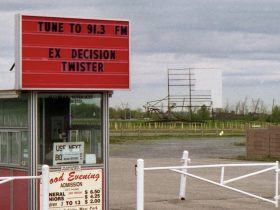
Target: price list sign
[[76, 190]]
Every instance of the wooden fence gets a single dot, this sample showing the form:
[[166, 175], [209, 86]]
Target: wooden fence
[[263, 142], [181, 128]]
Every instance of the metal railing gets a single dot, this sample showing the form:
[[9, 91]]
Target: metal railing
[[44, 178], [184, 171]]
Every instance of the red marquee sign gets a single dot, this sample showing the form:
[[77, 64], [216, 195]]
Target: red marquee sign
[[69, 53]]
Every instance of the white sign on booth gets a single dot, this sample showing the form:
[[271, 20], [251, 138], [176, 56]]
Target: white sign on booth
[[76, 190], [68, 152]]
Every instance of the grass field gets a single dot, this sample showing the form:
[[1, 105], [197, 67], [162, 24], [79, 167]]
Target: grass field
[[141, 129]]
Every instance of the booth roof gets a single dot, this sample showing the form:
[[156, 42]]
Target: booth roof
[[9, 94]]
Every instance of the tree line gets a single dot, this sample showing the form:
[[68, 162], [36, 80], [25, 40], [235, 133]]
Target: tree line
[[202, 113]]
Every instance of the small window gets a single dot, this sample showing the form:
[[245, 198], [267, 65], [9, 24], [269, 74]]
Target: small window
[[14, 131], [11, 148], [4, 147], [14, 139], [13, 113], [24, 148]]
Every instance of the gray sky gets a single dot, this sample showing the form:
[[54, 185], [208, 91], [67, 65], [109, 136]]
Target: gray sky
[[239, 37]]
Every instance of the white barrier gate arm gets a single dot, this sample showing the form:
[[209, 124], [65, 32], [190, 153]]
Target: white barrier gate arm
[[44, 180], [183, 170]]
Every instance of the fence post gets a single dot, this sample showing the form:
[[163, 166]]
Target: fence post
[[185, 159], [276, 184], [45, 187], [140, 184]]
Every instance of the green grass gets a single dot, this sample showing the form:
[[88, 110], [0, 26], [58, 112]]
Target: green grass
[[239, 144], [132, 139]]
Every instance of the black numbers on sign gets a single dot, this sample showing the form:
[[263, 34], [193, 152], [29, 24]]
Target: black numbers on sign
[[92, 197], [94, 200], [95, 29]]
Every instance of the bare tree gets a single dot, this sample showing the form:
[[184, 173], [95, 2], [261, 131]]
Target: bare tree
[[255, 105], [237, 107], [243, 106], [263, 108], [125, 108], [273, 101], [227, 107]]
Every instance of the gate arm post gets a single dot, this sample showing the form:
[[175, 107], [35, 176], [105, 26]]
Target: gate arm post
[[185, 159], [45, 187], [140, 184], [276, 184]]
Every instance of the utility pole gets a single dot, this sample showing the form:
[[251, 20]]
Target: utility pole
[[190, 93], [168, 93]]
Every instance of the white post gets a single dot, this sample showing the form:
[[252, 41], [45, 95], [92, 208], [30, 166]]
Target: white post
[[185, 159], [222, 175], [140, 184], [276, 184], [45, 187]]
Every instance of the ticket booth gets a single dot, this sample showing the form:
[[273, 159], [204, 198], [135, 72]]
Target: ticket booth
[[57, 111]]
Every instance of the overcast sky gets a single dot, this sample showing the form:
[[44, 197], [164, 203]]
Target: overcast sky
[[239, 37]]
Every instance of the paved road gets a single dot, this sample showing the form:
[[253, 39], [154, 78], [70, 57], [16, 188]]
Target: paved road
[[161, 187], [172, 148]]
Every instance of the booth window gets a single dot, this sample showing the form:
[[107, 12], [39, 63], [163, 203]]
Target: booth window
[[70, 128], [14, 131]]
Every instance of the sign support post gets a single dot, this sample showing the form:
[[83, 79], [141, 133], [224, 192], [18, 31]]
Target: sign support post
[[45, 187]]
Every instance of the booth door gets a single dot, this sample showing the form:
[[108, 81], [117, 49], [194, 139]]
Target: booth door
[[70, 119]]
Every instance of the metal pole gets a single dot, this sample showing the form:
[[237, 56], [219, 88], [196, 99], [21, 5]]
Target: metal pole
[[222, 175], [168, 94], [190, 93], [45, 187], [140, 184], [33, 146], [276, 184], [182, 192], [213, 166], [105, 126], [44, 128], [225, 186]]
